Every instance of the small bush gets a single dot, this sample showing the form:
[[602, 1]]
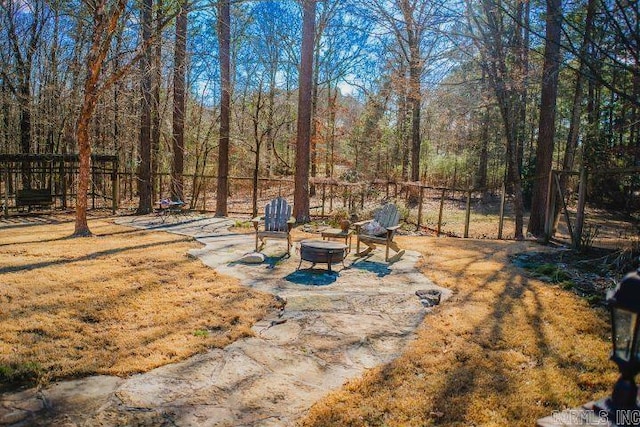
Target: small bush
[[552, 272], [589, 235], [242, 224], [27, 372], [338, 215]]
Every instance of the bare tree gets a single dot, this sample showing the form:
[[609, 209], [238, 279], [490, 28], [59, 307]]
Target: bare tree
[[501, 60], [409, 21], [105, 21], [576, 110], [23, 43]]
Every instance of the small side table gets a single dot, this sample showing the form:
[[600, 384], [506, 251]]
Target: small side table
[[336, 233]]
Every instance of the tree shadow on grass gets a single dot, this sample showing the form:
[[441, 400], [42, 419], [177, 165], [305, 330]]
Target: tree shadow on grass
[[380, 269], [272, 260], [312, 277], [31, 220], [480, 360], [517, 301], [87, 257]]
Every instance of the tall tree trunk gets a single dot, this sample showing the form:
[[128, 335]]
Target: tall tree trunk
[[546, 133], [105, 23], [313, 157], [144, 169], [483, 152], [415, 72], [179, 92], [510, 118], [301, 190], [24, 98], [224, 44], [403, 135], [332, 97], [522, 45], [271, 104], [256, 161], [5, 117], [155, 101]]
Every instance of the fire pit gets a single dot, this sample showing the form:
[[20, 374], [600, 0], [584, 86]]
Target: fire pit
[[320, 251]]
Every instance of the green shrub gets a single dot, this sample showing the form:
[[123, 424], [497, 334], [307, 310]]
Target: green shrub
[[551, 272], [26, 372]]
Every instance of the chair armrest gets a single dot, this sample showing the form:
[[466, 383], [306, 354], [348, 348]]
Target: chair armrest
[[391, 231], [358, 225]]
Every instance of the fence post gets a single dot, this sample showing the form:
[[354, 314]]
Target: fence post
[[324, 198], [204, 193], [114, 191], [93, 186], [130, 185], [344, 197], [582, 199], [420, 199], [5, 207], [62, 176], [330, 197], [467, 217], [564, 207], [441, 210], [551, 209], [501, 220]]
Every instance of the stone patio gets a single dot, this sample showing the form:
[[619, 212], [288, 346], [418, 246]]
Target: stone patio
[[335, 326]]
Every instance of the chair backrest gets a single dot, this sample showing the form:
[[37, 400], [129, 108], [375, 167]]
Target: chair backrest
[[276, 215], [388, 215]]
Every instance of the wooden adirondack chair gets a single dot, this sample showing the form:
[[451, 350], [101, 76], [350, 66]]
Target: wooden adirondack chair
[[388, 217], [277, 223]]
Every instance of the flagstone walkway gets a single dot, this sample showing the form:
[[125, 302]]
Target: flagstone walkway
[[334, 327]]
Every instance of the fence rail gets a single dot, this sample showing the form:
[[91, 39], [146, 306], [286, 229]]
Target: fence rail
[[439, 210]]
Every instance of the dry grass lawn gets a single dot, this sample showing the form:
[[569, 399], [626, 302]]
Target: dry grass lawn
[[505, 350], [121, 302]]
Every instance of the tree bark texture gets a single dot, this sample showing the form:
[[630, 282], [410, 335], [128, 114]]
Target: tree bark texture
[[179, 104], [156, 85], [546, 132], [144, 170], [301, 190], [224, 46], [416, 106]]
